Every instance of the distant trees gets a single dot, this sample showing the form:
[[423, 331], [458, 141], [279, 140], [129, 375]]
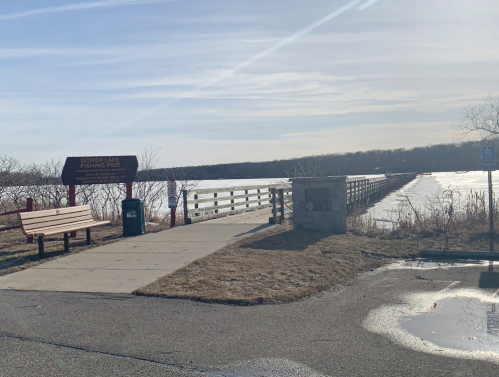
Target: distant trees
[[440, 157], [314, 166]]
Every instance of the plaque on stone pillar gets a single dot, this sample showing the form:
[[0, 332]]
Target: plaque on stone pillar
[[318, 199]]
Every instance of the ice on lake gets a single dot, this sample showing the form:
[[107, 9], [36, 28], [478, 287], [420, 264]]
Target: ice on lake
[[427, 188]]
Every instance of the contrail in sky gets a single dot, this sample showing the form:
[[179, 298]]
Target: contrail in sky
[[368, 4], [79, 6], [254, 59]]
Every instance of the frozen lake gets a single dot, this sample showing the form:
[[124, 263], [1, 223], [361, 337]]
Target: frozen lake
[[428, 187], [418, 191]]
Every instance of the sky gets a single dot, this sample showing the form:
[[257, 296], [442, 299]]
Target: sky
[[217, 81]]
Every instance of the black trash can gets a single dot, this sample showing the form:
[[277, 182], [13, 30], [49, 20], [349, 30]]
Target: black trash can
[[133, 217]]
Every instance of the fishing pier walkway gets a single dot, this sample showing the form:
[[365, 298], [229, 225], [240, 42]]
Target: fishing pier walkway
[[274, 202]]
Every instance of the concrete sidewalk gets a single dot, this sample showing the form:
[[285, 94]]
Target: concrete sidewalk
[[125, 266]]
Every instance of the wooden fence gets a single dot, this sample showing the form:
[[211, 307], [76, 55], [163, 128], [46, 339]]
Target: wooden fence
[[29, 208], [206, 204], [361, 191], [282, 204]]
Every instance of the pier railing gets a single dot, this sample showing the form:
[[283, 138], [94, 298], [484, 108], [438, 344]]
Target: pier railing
[[206, 204], [360, 190], [282, 204], [212, 203]]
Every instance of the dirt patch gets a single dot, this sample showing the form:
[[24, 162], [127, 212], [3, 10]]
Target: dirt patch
[[282, 264], [17, 255]]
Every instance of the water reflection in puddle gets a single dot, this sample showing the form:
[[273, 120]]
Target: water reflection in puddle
[[461, 323], [423, 263], [458, 323]]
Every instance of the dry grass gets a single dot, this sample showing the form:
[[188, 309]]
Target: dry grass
[[17, 255], [282, 265]]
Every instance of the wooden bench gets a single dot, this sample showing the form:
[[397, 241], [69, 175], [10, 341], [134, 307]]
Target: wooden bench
[[56, 221]]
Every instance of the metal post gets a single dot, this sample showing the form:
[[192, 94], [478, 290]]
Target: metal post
[[173, 216], [491, 206], [129, 190], [41, 249], [274, 205], [89, 238], [29, 208], [66, 242], [172, 197], [72, 203], [186, 209], [281, 204]]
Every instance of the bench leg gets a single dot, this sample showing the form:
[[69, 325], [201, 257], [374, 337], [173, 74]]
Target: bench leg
[[41, 250], [89, 239], [66, 242]]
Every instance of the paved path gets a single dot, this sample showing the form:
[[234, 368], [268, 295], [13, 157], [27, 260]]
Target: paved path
[[44, 333], [125, 266]]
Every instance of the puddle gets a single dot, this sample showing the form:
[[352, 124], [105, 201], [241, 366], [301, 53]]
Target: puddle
[[462, 323], [467, 324], [271, 367], [440, 263]]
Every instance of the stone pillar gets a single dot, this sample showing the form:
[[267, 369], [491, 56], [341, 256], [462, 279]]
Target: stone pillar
[[320, 204]]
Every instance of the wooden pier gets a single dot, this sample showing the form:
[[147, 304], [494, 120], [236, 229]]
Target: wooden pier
[[361, 191], [206, 204]]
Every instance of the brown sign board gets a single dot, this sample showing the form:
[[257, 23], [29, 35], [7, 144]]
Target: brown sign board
[[99, 170]]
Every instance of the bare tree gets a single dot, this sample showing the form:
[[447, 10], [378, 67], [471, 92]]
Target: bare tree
[[11, 177], [482, 118], [42, 183], [315, 166], [152, 191]]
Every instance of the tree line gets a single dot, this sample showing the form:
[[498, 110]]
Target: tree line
[[463, 156]]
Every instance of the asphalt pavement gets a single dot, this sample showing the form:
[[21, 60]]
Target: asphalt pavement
[[82, 334]]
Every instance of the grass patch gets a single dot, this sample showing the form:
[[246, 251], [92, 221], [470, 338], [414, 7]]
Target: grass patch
[[283, 265], [17, 255]]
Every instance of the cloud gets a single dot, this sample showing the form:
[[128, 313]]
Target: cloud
[[367, 4], [249, 62], [79, 6]]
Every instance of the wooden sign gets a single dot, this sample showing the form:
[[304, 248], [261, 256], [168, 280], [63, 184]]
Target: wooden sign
[[99, 170]]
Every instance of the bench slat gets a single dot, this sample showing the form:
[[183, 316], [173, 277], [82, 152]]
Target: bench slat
[[57, 221], [54, 221], [53, 212], [43, 228], [65, 229], [68, 229], [56, 217]]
